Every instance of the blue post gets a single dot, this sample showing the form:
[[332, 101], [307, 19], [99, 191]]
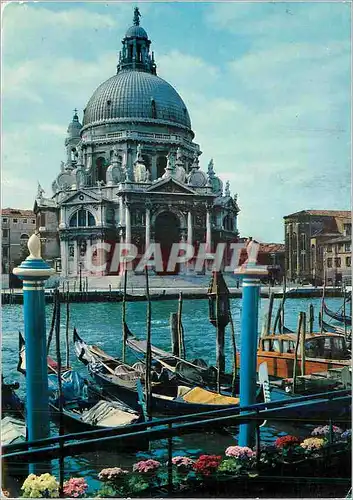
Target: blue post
[[34, 271], [248, 348]]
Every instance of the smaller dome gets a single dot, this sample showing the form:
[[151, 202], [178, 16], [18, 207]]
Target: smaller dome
[[136, 32], [73, 130]]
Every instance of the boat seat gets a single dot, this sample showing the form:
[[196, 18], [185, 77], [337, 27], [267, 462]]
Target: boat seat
[[108, 414], [202, 396]]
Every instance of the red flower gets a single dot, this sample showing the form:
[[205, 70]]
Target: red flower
[[286, 442], [207, 464]]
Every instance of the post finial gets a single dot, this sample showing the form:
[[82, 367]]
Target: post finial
[[34, 247]]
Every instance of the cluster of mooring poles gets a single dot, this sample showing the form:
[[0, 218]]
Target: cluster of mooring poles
[[34, 271]]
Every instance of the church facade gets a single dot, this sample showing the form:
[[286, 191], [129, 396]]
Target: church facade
[[132, 171]]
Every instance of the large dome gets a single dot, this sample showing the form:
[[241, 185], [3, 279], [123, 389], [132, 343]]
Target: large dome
[[136, 95]]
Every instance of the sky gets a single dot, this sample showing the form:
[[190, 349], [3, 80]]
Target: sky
[[267, 87]]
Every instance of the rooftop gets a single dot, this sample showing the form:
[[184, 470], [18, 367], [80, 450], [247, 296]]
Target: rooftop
[[17, 211], [271, 247], [339, 239], [323, 213]]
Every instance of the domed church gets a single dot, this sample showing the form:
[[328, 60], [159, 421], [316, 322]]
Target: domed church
[[132, 171]]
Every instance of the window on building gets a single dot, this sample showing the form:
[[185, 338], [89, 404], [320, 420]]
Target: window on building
[[24, 221], [347, 228], [347, 247], [5, 233], [338, 261], [228, 223], [329, 262], [329, 248], [42, 220], [5, 251], [15, 221], [348, 261], [302, 241], [82, 218], [4, 219]]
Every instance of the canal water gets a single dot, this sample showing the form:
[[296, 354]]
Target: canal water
[[100, 323]]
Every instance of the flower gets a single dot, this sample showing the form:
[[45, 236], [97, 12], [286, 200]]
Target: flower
[[43, 486], [183, 462], [112, 474], [149, 466], [311, 444], [240, 452], [324, 430], [75, 487], [207, 464], [286, 442], [346, 435]]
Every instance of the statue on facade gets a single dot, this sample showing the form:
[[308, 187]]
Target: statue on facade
[[180, 172], [227, 189]]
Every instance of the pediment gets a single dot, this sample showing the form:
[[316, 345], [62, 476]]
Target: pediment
[[81, 196], [170, 185]]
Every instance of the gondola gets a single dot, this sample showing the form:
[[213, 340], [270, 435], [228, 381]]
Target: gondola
[[11, 405], [186, 372], [328, 328], [337, 316], [167, 398], [85, 408]]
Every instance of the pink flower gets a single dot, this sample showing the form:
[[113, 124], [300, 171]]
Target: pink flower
[[75, 487], [146, 466], [183, 462], [241, 452]]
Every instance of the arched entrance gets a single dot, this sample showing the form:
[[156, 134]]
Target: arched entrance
[[167, 232]]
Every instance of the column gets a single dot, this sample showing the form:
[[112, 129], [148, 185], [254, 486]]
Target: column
[[63, 255], [76, 258], [148, 228], [248, 340], [189, 237], [88, 252], [289, 251], [34, 271], [298, 251], [154, 168], [208, 231], [127, 224]]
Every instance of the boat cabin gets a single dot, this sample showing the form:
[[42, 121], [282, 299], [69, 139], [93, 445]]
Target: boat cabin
[[327, 346]]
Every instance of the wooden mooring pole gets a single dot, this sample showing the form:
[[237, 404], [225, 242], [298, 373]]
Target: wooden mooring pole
[[148, 386], [269, 313], [181, 339], [123, 320], [174, 333], [295, 365], [311, 319]]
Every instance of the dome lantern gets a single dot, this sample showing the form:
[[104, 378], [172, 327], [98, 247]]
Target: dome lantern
[[135, 53]]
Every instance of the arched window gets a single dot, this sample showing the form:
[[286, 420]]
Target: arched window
[[24, 237], [82, 218], [101, 169]]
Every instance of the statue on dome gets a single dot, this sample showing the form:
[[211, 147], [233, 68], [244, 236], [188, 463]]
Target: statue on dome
[[40, 192], [227, 189], [137, 16]]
